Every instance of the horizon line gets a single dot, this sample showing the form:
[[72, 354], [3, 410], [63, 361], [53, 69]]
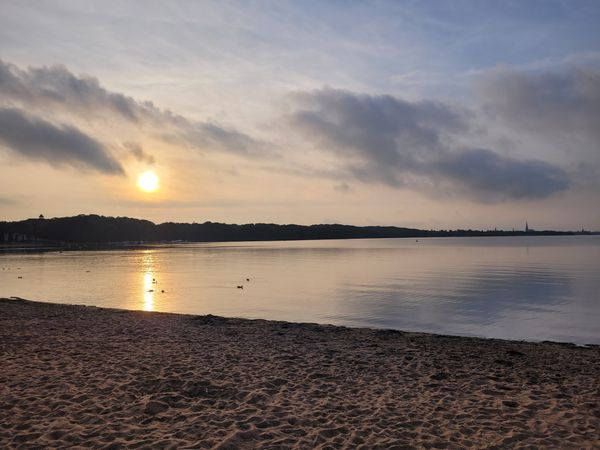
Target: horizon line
[[494, 229]]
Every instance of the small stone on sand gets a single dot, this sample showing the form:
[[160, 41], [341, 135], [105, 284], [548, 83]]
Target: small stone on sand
[[154, 407]]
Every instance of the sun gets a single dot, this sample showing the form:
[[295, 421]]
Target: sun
[[148, 181]]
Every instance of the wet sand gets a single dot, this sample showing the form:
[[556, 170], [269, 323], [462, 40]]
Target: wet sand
[[105, 378]]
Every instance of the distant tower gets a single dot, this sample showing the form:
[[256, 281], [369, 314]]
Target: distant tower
[[526, 227]]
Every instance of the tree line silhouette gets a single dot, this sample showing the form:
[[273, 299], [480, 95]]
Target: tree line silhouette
[[102, 230]]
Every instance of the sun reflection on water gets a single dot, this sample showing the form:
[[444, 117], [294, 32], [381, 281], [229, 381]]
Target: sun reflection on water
[[148, 292], [147, 266]]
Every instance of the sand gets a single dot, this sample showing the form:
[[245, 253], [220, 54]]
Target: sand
[[103, 378]]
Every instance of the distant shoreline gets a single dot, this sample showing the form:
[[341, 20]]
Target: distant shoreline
[[77, 375], [99, 232]]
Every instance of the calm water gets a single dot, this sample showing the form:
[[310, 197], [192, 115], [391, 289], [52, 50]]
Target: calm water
[[516, 287]]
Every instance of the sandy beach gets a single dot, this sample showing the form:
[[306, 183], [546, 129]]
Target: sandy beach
[[103, 378]]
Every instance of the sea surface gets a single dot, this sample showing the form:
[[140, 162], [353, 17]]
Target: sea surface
[[532, 287]]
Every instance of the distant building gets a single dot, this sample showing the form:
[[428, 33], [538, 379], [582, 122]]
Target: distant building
[[41, 216], [527, 229]]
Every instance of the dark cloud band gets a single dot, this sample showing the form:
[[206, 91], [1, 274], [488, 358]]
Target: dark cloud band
[[491, 176], [388, 140], [55, 88], [58, 145]]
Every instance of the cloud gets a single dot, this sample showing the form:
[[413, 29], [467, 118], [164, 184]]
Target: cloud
[[58, 145], [342, 187], [384, 139], [562, 103], [138, 153], [378, 137], [208, 135], [385, 129], [8, 201], [55, 89], [492, 176]]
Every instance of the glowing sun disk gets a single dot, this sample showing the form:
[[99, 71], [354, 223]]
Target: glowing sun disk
[[148, 181]]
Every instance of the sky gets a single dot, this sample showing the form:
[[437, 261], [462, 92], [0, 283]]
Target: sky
[[437, 114]]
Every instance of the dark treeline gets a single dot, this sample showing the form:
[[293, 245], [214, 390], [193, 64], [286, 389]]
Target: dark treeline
[[92, 229]]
